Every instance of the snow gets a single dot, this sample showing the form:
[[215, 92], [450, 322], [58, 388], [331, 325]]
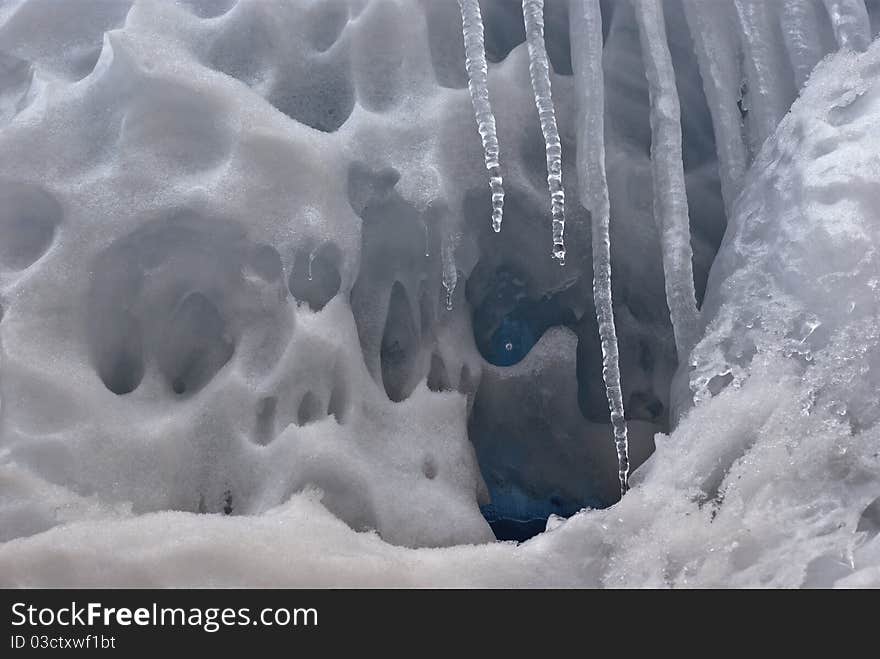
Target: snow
[[227, 236]]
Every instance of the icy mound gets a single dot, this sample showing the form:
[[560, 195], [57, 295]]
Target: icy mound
[[228, 235]]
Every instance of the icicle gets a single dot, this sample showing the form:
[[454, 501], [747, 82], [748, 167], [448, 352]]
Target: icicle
[[770, 93], [427, 243], [539, 71], [585, 21], [717, 51], [849, 18], [311, 260], [800, 31], [478, 84], [450, 272], [670, 197]]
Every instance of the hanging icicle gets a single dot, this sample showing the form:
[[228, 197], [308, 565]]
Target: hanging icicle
[[539, 71], [852, 28], [585, 21], [450, 272], [478, 84], [670, 197], [800, 31], [718, 57], [770, 90]]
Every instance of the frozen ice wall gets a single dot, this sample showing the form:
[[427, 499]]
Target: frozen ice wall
[[227, 234]]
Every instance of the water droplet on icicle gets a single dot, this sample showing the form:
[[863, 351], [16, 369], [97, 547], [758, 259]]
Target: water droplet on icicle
[[539, 72]]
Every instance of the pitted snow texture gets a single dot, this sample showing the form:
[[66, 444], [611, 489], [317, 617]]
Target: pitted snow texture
[[224, 239], [189, 192]]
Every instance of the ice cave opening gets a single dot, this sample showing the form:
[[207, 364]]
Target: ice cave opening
[[535, 450]]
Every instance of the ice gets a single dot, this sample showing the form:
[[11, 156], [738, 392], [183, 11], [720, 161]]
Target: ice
[[849, 18], [801, 32], [718, 55], [227, 235], [670, 195], [450, 272], [539, 72], [586, 37], [769, 91], [478, 84]]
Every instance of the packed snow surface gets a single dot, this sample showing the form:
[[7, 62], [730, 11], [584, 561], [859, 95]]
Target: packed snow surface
[[256, 327]]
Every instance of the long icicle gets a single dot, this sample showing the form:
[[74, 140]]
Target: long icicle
[[849, 18], [539, 72], [770, 94], [800, 31], [478, 85], [670, 197], [585, 21], [718, 55]]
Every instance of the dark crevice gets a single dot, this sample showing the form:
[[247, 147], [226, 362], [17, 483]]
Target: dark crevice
[[337, 406], [507, 322], [503, 27], [310, 409], [170, 293], [466, 382], [315, 277], [121, 366], [869, 520], [399, 346], [323, 99], [265, 421], [194, 347], [366, 186], [388, 299], [438, 378], [556, 36], [429, 468]]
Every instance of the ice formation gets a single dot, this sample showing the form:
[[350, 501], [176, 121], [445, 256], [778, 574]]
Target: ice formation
[[769, 91], [231, 232], [586, 36], [670, 196], [852, 27], [718, 53], [478, 84], [539, 72], [799, 21]]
